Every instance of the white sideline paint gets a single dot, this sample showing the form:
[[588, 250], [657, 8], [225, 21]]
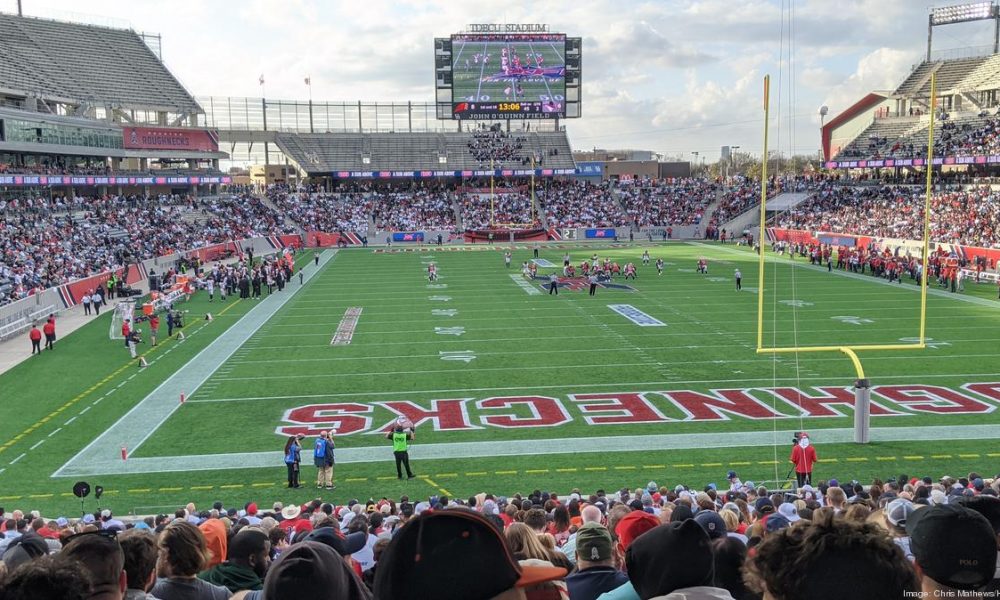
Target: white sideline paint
[[146, 417], [570, 445]]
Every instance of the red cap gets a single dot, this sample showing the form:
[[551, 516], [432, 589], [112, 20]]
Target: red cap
[[633, 525]]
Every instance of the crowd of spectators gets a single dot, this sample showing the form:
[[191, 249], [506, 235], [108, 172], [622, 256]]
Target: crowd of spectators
[[346, 211], [417, 209], [968, 217], [666, 203], [581, 204], [504, 208], [955, 135], [737, 541], [495, 147], [47, 242]]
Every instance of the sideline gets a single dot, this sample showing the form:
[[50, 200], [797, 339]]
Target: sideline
[[138, 424]]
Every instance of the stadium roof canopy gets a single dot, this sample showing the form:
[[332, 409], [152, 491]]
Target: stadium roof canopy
[[86, 64]]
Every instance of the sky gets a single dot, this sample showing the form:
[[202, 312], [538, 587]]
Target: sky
[[675, 77]]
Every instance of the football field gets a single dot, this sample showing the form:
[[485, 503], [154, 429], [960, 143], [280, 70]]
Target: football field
[[511, 388], [476, 81]]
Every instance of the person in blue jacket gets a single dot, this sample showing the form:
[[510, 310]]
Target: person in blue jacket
[[293, 456]]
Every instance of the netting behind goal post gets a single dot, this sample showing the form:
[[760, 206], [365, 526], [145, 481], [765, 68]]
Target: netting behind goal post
[[123, 310]]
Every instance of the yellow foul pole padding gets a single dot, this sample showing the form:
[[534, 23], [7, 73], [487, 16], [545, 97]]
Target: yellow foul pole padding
[[929, 166], [763, 223]]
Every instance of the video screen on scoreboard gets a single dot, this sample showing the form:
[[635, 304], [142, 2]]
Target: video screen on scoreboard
[[508, 76]]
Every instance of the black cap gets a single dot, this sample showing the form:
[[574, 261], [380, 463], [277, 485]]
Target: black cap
[[312, 570], [670, 557], [334, 538], [452, 555], [955, 546]]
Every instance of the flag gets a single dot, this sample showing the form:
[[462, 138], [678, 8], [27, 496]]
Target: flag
[[308, 82], [261, 79]]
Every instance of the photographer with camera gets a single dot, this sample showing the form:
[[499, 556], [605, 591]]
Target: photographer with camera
[[134, 337], [803, 457]]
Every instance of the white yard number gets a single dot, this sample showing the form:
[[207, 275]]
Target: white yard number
[[852, 320], [449, 330], [439, 298], [929, 342], [444, 312], [797, 303], [437, 286], [465, 356]]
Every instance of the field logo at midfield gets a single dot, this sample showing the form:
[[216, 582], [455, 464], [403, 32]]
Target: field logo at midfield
[[345, 330], [636, 316], [524, 285], [639, 407]]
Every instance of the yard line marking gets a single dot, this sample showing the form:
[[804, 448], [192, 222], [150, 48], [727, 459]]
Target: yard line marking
[[475, 473], [39, 496], [567, 470], [433, 483], [356, 479], [506, 472], [856, 459], [68, 422], [536, 471], [139, 491], [447, 475], [683, 466], [232, 486], [625, 468], [202, 487], [885, 458], [595, 468], [913, 457], [37, 444], [23, 454], [262, 484], [170, 489], [940, 456], [968, 456], [55, 432]]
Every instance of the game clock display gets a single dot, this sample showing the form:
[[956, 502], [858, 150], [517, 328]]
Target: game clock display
[[509, 76]]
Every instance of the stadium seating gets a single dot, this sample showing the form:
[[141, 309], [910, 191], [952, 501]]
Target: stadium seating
[[87, 63], [581, 204], [48, 242], [968, 217], [323, 153], [682, 202]]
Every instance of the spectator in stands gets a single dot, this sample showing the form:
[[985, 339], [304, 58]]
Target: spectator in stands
[[595, 563], [821, 559], [311, 570], [954, 549], [248, 557], [184, 554], [140, 554], [48, 578], [102, 557], [673, 562], [443, 541]]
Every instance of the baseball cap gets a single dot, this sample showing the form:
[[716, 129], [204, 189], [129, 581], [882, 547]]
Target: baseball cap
[[670, 557], [898, 511], [334, 538], [763, 503], [712, 523], [731, 475], [987, 506], [953, 545], [789, 511], [633, 525], [452, 555], [312, 570], [593, 542], [776, 523]]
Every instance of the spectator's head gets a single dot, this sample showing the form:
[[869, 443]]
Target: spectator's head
[[23, 550], [954, 548], [535, 518], [217, 540], [102, 557], [344, 545], [712, 523], [593, 546], [47, 578], [524, 542], [591, 514], [251, 549], [819, 560], [429, 558], [139, 550], [183, 552], [312, 570], [729, 555], [668, 558]]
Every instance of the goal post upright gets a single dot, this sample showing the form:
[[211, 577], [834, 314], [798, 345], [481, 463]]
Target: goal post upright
[[862, 386]]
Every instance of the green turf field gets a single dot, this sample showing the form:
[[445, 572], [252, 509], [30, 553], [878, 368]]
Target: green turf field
[[531, 390]]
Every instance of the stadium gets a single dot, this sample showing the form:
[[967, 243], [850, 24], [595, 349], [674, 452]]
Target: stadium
[[253, 317]]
